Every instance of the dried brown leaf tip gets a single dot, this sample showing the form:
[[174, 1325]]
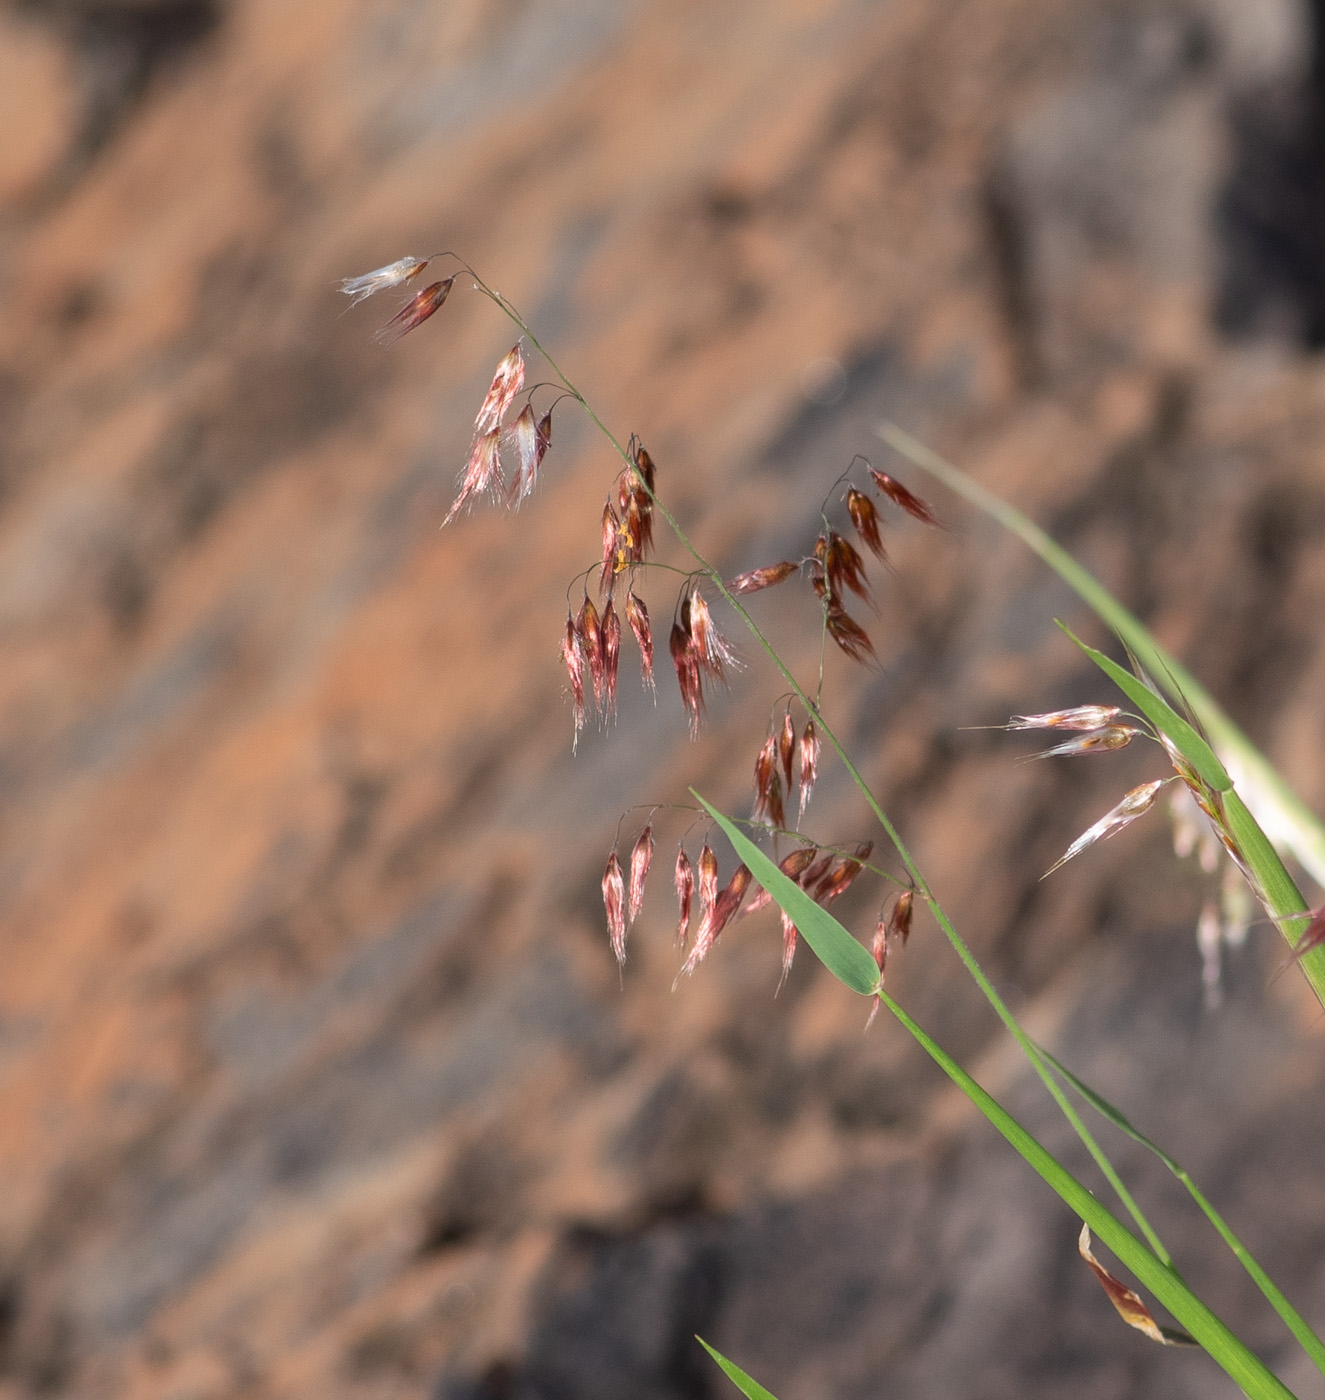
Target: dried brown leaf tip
[[641, 857], [1129, 1305], [1136, 804], [638, 617], [753, 580], [809, 763], [865, 517], [382, 279], [614, 902], [684, 880], [909, 502]]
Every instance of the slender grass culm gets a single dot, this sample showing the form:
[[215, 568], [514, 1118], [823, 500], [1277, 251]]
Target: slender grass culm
[[1198, 751]]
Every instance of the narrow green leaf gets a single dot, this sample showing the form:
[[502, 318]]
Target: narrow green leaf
[[1250, 1373], [1163, 716], [1294, 1320], [846, 959], [750, 1388]]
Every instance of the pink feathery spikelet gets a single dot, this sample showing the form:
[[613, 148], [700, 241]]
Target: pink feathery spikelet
[[572, 655], [809, 763], [614, 902], [506, 383], [483, 472], [641, 856], [684, 879], [415, 311], [638, 617]]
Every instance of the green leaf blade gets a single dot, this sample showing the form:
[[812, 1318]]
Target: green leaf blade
[[833, 944], [748, 1387]]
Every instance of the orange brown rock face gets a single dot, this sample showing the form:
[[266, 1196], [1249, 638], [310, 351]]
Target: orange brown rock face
[[317, 1074]]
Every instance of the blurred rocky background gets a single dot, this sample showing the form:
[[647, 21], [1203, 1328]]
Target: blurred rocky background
[[317, 1074]]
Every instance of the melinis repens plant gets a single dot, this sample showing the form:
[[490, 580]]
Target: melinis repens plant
[[779, 864]]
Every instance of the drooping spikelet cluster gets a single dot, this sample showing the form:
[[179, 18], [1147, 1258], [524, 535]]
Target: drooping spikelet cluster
[[528, 437], [836, 567], [591, 643], [775, 765]]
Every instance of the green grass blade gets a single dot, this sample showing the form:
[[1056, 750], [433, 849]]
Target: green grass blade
[[826, 935], [1247, 1370], [749, 1388], [822, 930], [846, 959], [1293, 1320], [1288, 819]]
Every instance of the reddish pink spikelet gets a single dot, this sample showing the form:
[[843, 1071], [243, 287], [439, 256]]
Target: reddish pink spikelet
[[591, 639], [712, 650], [686, 663], [638, 617], [809, 763], [573, 656], [844, 567], [768, 786], [611, 630], [816, 871], [793, 866], [415, 311], [483, 472], [850, 636], [641, 856], [531, 443], [753, 580], [708, 878], [609, 533], [1081, 717], [899, 920], [865, 518], [716, 917], [786, 749], [684, 879], [900, 496], [842, 874], [1135, 804], [506, 383], [614, 902], [788, 946]]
